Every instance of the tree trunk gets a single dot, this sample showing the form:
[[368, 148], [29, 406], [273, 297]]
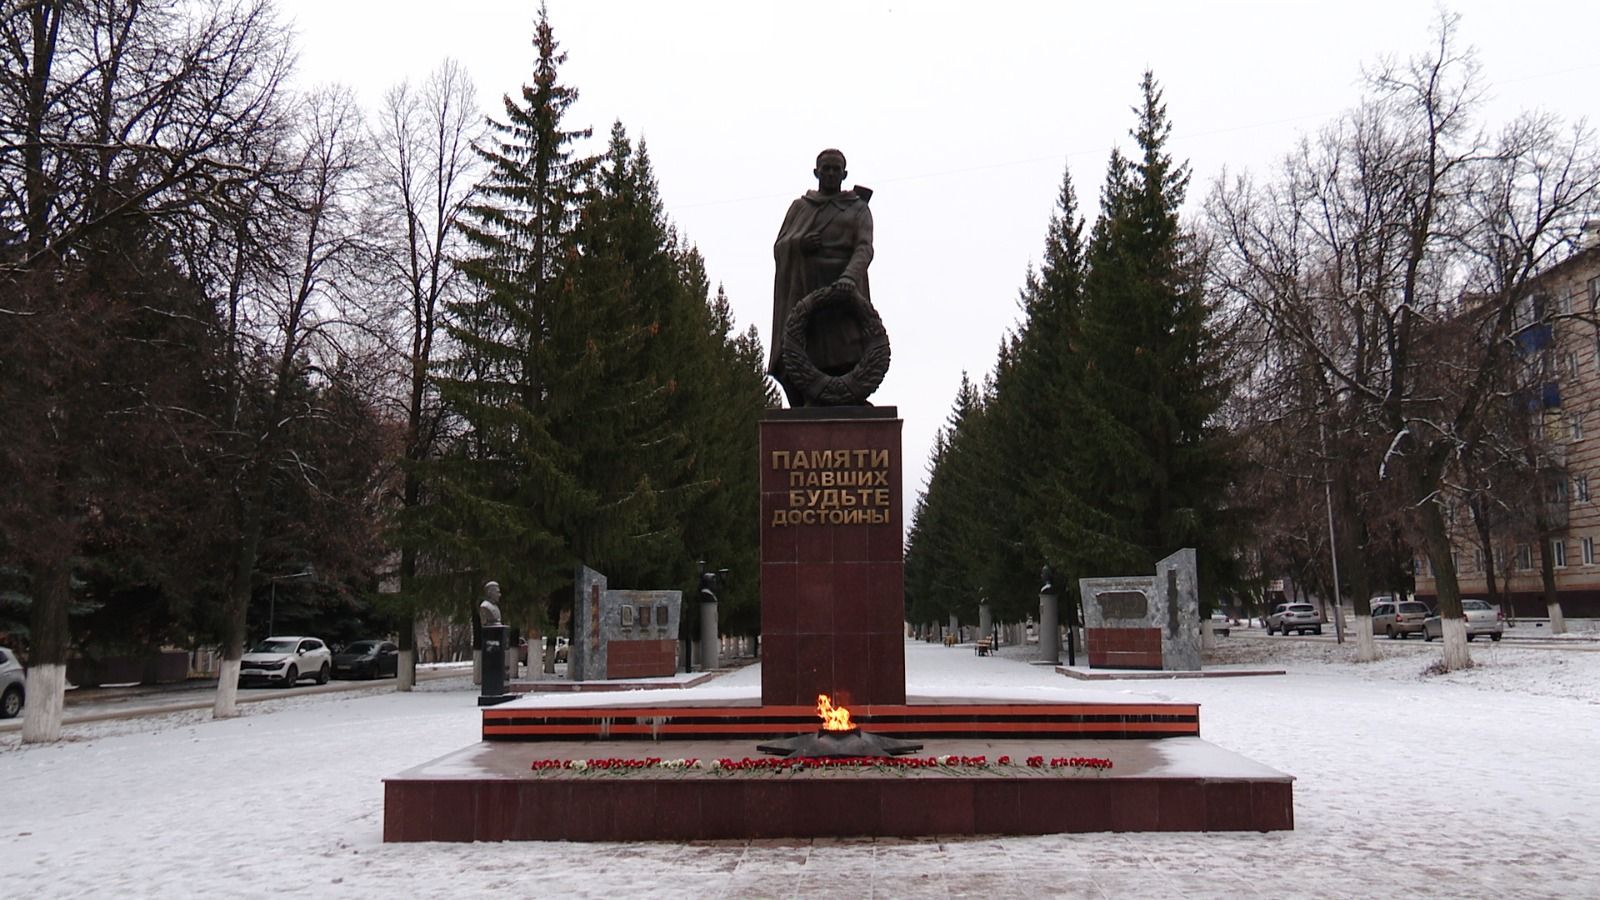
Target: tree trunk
[[1480, 520], [1547, 569], [1353, 564], [1547, 580], [1366, 647], [406, 673], [408, 670], [244, 565], [1437, 540], [46, 686]]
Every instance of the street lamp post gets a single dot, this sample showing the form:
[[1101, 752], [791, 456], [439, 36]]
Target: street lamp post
[[272, 602]]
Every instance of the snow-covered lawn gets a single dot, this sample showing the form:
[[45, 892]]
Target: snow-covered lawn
[[1475, 784]]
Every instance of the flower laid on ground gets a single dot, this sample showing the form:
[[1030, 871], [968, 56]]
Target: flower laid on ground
[[784, 764]]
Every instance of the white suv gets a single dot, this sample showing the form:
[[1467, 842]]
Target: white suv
[[1296, 617], [285, 660], [12, 683]]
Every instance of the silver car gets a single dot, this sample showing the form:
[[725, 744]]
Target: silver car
[[12, 679], [1481, 618], [1398, 618]]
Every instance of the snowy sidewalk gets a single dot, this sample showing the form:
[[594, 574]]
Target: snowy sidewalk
[[1467, 785]]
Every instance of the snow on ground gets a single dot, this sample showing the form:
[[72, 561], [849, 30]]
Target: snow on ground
[[1474, 784]]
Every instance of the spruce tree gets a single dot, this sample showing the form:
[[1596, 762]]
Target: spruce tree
[[503, 492], [1032, 419], [623, 336], [722, 526], [1149, 470], [944, 563]]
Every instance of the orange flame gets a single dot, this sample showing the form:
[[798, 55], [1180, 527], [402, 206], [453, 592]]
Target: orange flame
[[834, 718]]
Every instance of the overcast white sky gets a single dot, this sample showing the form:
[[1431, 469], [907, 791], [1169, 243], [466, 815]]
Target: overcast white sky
[[961, 116]]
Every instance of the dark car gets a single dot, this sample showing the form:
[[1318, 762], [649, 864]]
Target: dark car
[[367, 659]]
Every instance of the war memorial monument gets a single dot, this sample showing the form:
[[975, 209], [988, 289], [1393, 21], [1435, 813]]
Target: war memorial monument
[[836, 742]]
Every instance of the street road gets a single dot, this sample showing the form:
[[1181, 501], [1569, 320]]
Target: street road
[[100, 704]]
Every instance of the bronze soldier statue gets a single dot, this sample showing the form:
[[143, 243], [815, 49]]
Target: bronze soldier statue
[[825, 244]]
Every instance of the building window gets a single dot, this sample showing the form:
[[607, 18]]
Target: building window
[[1477, 559], [1594, 292], [1524, 557], [1558, 491], [1588, 551], [1565, 304], [1558, 552], [1572, 366], [1580, 487], [1577, 428]]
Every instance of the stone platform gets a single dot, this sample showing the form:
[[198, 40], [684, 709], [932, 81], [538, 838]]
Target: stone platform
[[1085, 674], [490, 792], [1163, 776], [692, 718], [679, 682]]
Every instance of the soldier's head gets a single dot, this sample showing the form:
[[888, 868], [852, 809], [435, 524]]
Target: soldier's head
[[830, 171], [492, 590]]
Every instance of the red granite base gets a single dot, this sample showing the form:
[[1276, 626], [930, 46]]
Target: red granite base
[[832, 562], [490, 792], [672, 718]]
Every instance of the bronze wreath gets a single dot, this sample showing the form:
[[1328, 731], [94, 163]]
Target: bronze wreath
[[818, 387]]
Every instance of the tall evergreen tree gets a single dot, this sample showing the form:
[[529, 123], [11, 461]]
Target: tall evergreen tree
[[944, 565], [624, 334], [722, 526], [591, 374], [1037, 380], [1149, 471], [661, 402], [503, 491]]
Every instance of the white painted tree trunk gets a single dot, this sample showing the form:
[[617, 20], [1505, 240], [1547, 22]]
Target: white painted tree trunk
[[1208, 636], [477, 667], [408, 671], [1456, 654], [1558, 622], [227, 705], [46, 693], [1366, 648]]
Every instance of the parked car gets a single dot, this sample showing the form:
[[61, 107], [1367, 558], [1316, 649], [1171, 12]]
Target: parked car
[[1398, 618], [367, 659], [12, 685], [1481, 618], [1297, 617], [285, 660], [1220, 623]]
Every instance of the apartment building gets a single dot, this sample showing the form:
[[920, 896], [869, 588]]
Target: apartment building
[[1560, 346]]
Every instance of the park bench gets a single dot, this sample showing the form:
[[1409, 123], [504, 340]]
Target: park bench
[[983, 647]]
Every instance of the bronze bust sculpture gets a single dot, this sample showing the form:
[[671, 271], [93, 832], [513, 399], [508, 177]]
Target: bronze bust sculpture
[[828, 344]]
